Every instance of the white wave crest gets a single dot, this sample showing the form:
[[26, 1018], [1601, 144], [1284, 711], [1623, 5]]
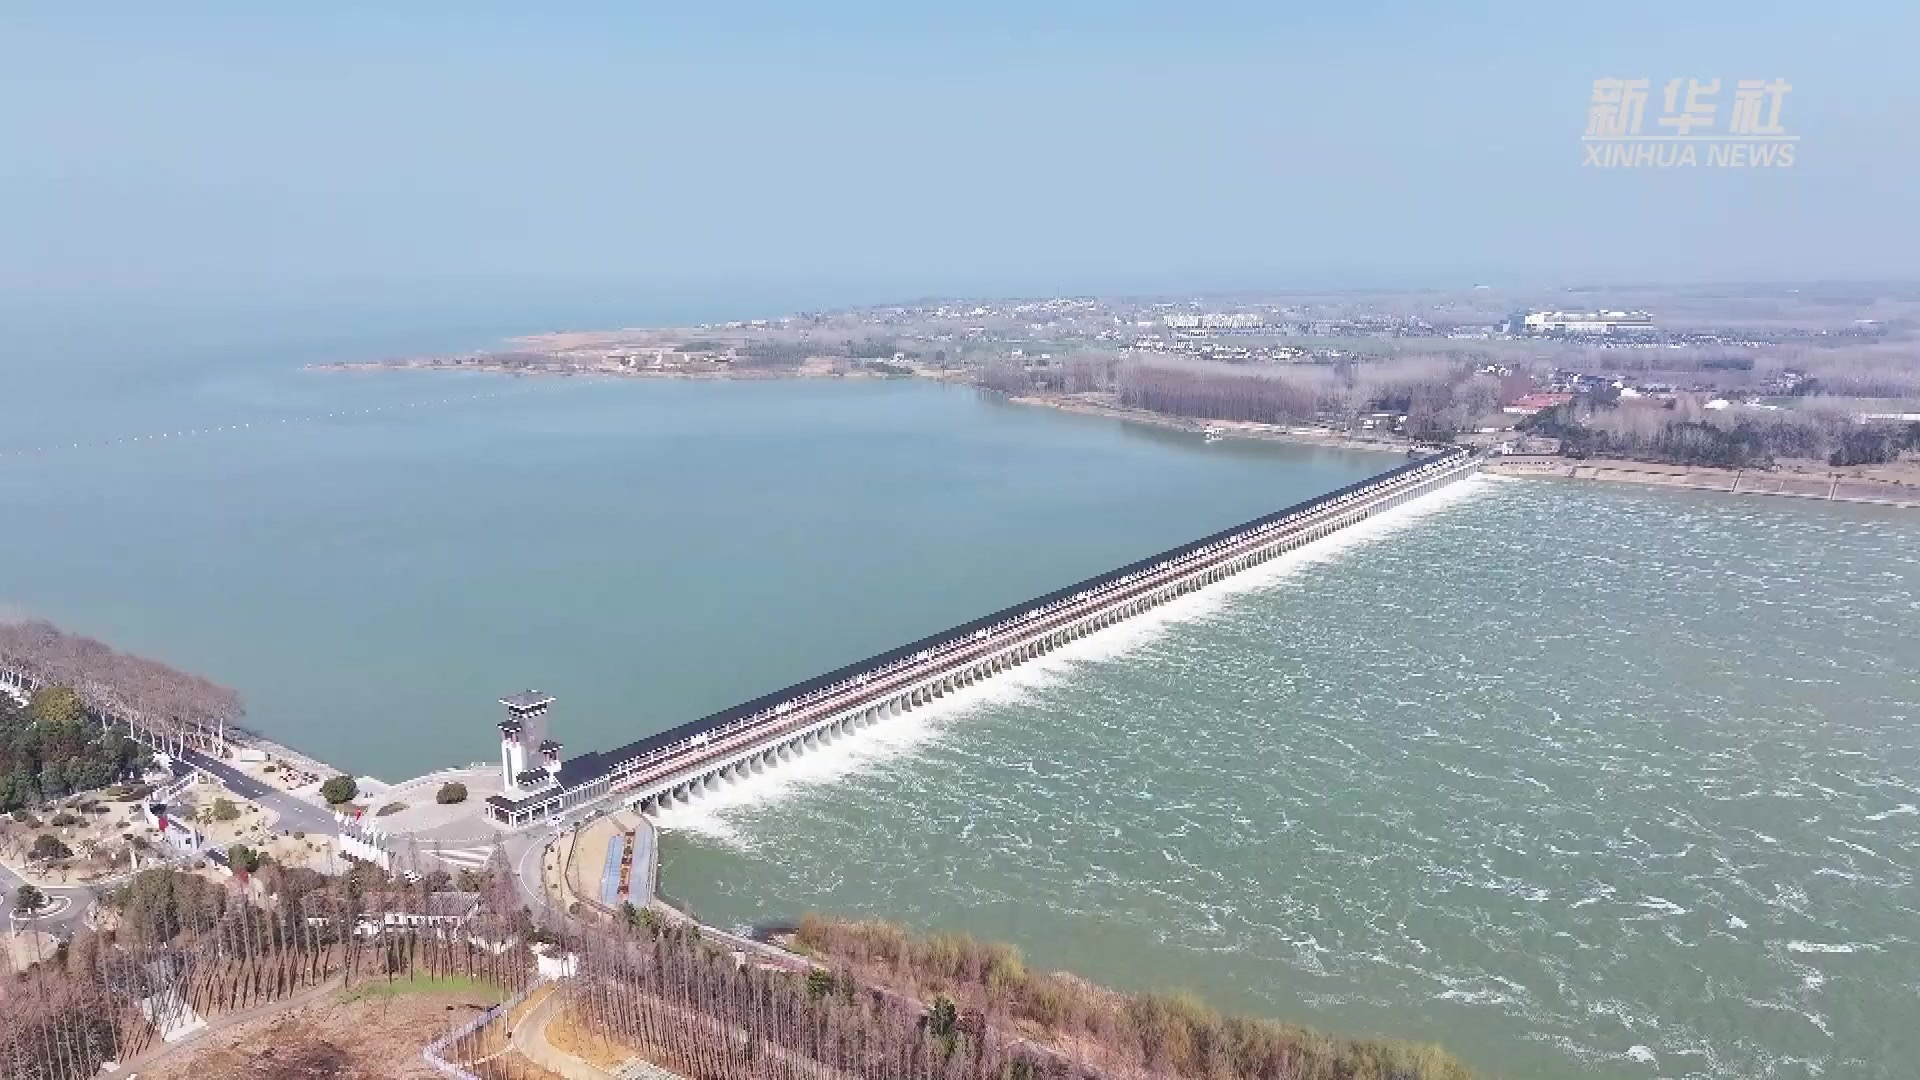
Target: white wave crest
[[1825, 947]]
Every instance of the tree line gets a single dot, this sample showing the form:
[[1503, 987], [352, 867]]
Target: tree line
[[1113, 1034], [875, 1003], [1439, 396], [55, 746], [1678, 434], [117, 683], [171, 942], [700, 1012]]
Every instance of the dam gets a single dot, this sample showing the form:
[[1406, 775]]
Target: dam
[[680, 764]]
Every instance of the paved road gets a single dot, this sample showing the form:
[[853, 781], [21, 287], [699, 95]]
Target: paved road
[[526, 862], [530, 1038], [294, 813], [62, 922]]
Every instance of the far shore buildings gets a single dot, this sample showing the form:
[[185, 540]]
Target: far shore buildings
[[1578, 323], [1215, 322], [1529, 404]]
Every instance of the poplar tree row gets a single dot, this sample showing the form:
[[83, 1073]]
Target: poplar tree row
[[705, 1013], [175, 949]]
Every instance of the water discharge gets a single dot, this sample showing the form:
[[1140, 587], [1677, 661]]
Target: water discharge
[[886, 742], [1581, 781]]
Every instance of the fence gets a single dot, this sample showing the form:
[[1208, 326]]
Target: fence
[[435, 1051]]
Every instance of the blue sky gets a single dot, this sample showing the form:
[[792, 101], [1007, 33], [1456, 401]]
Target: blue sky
[[839, 151]]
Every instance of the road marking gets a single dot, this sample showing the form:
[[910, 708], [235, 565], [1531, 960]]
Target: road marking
[[470, 858]]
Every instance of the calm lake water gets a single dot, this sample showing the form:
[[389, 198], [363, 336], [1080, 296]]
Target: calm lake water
[[1579, 781], [373, 559]]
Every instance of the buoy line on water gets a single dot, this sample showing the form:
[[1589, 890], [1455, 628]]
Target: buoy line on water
[[224, 429]]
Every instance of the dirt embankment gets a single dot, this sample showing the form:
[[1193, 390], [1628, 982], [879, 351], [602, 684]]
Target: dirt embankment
[[376, 1037]]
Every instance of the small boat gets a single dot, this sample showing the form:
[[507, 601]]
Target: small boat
[[1214, 432]]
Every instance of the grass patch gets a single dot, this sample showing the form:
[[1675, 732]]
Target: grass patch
[[390, 808], [376, 988]]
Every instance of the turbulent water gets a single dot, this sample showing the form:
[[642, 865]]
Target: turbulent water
[[1580, 781]]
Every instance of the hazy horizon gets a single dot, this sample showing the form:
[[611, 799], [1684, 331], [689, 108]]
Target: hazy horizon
[[855, 154]]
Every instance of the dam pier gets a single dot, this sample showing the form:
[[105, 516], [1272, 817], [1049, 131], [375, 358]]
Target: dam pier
[[680, 764]]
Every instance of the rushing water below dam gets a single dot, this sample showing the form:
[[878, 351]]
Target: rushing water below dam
[[1579, 781]]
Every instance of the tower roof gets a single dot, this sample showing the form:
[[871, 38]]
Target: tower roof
[[526, 700]]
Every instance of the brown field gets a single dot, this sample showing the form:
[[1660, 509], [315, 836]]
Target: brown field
[[377, 1037]]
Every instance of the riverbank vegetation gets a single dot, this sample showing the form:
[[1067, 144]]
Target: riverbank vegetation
[[873, 1003], [1439, 395], [1675, 433], [1173, 1035]]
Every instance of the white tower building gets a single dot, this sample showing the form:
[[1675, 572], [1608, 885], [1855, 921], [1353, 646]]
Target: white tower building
[[528, 759]]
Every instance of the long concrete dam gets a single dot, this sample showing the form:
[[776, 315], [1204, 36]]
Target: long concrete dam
[[677, 765]]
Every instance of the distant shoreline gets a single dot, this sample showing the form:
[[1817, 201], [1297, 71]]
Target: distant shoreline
[[1287, 433], [1835, 487], [1238, 429], [496, 368]]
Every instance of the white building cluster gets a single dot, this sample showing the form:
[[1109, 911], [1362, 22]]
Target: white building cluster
[[1215, 322], [1580, 322]]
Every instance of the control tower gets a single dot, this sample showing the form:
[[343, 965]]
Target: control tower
[[529, 760]]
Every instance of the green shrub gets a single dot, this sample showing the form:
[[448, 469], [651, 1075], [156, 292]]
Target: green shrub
[[339, 789], [244, 859], [48, 846], [390, 808], [225, 810], [452, 792]]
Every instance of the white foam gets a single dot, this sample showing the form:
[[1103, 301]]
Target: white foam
[[1641, 1054], [900, 736], [1902, 809], [1823, 947], [894, 738]]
